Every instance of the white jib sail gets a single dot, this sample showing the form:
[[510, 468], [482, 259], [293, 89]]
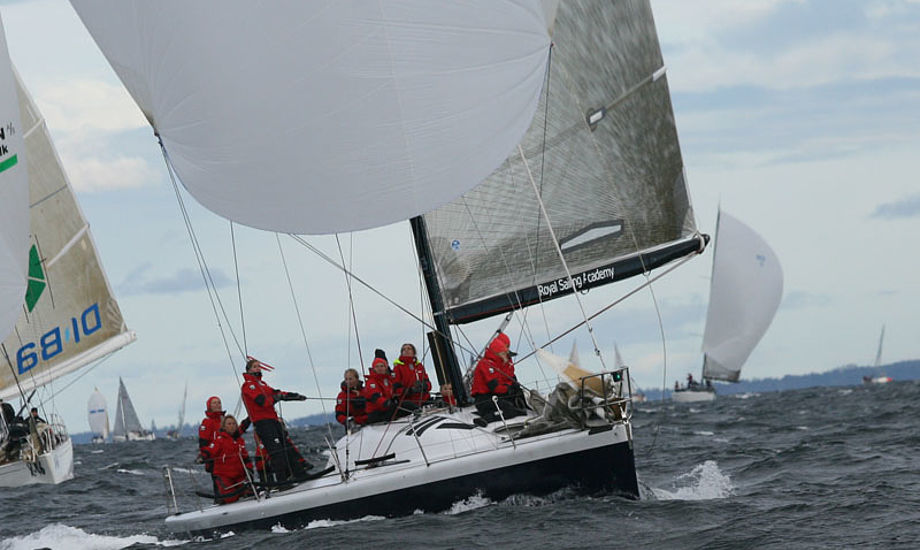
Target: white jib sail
[[321, 117], [745, 291], [14, 198]]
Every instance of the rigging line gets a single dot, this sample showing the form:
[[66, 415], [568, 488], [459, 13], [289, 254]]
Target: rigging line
[[202, 265], [303, 331], [332, 262], [351, 301], [604, 309], [565, 264], [542, 176], [239, 288], [13, 372], [664, 369]]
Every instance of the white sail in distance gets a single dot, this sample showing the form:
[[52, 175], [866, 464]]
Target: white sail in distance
[[745, 292], [14, 198], [126, 420], [881, 341], [69, 317], [329, 116], [98, 415]]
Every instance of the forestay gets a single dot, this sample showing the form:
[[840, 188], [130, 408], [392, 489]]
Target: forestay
[[69, 317], [328, 116], [14, 199], [745, 291], [604, 153]]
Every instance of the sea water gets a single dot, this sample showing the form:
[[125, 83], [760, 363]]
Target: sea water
[[816, 468]]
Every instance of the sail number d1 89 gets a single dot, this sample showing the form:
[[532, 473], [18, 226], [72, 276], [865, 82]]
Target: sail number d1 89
[[52, 342]]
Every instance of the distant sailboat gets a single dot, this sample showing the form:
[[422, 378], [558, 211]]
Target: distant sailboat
[[127, 425], [878, 361], [745, 292], [98, 415], [177, 433], [65, 318]]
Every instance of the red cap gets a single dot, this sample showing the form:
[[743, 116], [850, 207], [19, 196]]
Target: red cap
[[380, 361]]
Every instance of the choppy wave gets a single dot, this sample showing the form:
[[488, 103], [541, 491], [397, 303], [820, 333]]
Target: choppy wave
[[704, 482], [65, 537]]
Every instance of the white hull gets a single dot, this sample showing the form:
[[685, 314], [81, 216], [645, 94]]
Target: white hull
[[134, 436], [692, 396], [878, 380], [52, 468], [459, 460]]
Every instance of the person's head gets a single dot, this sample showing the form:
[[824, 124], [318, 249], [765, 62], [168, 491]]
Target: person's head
[[407, 350], [228, 424], [254, 367], [351, 378], [214, 404], [500, 346], [380, 366], [447, 389]]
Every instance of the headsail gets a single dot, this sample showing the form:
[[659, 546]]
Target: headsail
[[745, 291], [70, 317], [319, 117], [604, 153], [14, 199], [98, 415], [126, 420]]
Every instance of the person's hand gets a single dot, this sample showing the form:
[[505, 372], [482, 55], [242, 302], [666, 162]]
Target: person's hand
[[418, 387], [244, 424], [199, 459], [298, 397]]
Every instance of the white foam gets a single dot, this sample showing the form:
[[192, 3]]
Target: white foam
[[467, 504], [132, 472], [97, 451], [802, 428], [319, 523], [278, 528], [845, 392], [186, 470], [703, 433], [704, 482], [60, 536], [746, 395]]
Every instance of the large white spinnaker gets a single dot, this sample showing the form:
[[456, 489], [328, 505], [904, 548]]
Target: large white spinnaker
[[745, 291], [69, 317], [321, 117], [14, 199]]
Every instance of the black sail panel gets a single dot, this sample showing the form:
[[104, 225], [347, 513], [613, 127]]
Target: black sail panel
[[604, 155]]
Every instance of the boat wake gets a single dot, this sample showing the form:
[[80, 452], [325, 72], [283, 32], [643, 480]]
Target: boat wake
[[704, 482], [472, 503], [58, 535]]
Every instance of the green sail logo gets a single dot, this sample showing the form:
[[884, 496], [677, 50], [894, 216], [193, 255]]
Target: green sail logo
[[37, 282]]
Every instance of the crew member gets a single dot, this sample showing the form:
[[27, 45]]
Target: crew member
[[494, 376], [227, 453], [378, 392], [350, 402], [411, 384], [210, 425], [259, 399]]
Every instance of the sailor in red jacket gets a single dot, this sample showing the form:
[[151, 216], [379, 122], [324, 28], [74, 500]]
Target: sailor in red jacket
[[411, 381], [227, 453], [213, 414], [494, 376], [351, 403], [259, 399], [378, 392]]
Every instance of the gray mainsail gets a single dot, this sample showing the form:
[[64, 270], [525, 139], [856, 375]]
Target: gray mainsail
[[126, 420], [604, 153]]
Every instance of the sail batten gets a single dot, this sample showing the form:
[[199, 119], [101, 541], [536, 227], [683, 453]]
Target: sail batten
[[604, 153]]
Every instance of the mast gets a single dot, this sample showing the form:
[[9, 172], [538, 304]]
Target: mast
[[447, 367]]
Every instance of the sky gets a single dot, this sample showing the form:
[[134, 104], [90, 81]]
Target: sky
[[799, 117]]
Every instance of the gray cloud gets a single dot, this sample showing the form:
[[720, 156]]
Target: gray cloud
[[183, 280], [907, 207], [798, 299]]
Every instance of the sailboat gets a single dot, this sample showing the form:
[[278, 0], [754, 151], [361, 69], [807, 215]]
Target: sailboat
[[97, 413], [177, 433], [878, 361], [66, 317], [526, 172], [127, 426], [744, 294]]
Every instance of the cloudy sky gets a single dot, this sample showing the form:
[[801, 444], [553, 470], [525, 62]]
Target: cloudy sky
[[800, 117]]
